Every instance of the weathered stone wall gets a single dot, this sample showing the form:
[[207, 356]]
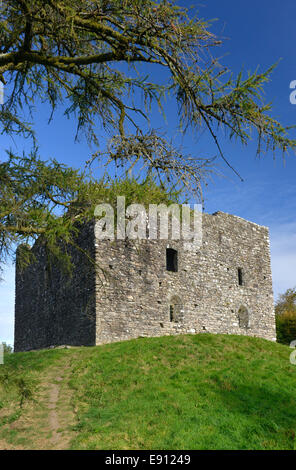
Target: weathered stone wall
[[137, 295], [133, 294], [52, 308]]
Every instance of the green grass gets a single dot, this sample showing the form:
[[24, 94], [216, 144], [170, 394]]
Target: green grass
[[185, 392]]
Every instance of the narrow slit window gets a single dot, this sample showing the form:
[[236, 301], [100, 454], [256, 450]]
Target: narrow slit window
[[171, 260], [240, 276], [172, 317]]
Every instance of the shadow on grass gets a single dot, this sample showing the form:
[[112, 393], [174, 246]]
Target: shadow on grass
[[269, 415]]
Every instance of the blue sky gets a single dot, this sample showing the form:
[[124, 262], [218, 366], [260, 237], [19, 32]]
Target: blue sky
[[256, 33]]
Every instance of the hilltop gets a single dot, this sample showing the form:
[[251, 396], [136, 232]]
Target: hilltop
[[177, 392]]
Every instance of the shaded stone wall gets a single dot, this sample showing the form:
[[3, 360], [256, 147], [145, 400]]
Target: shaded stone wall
[[137, 295], [52, 308]]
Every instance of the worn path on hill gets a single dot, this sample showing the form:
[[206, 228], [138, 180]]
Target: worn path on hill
[[45, 423]]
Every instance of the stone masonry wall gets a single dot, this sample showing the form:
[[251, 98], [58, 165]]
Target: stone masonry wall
[[136, 294], [132, 294], [52, 308]]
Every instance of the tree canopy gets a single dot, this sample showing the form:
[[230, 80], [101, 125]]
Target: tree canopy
[[286, 303], [285, 314], [88, 56]]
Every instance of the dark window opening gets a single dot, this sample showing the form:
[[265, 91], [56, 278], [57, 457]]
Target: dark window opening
[[171, 260], [172, 316], [240, 276]]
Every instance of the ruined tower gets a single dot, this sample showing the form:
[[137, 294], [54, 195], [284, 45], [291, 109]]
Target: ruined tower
[[150, 288]]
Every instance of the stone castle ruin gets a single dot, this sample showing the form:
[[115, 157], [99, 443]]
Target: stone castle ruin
[[149, 288]]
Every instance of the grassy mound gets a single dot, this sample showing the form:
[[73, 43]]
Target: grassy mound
[[186, 392]]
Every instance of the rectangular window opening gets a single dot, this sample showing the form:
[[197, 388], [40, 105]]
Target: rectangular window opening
[[240, 276], [171, 313], [171, 260]]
